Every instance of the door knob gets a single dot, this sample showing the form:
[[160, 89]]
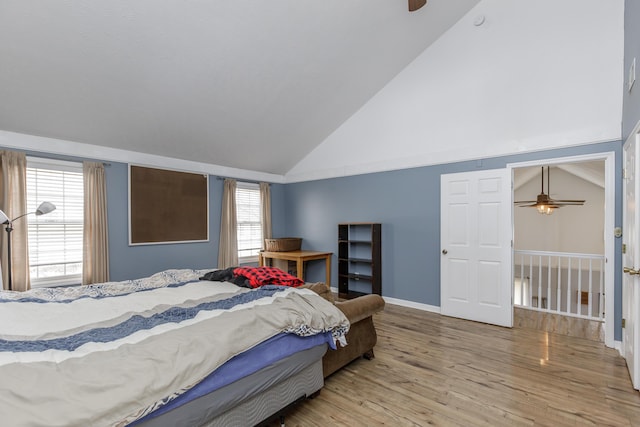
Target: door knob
[[631, 271], [444, 252]]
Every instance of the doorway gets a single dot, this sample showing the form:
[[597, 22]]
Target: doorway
[[563, 262]]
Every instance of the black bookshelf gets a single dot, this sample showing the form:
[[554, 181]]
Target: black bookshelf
[[359, 259]]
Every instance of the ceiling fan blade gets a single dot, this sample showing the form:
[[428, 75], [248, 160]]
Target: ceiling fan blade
[[569, 202], [530, 205], [525, 201], [416, 4]]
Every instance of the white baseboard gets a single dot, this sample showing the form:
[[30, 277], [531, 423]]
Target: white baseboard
[[405, 303], [411, 304], [618, 346]]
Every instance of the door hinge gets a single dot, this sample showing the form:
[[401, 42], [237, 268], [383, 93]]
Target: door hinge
[[624, 248], [624, 173], [623, 323]]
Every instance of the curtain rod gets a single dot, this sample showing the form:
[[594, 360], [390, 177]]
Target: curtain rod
[[222, 178]]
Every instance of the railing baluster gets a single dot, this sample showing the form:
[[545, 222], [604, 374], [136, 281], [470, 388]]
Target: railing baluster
[[522, 284], [559, 288], [602, 296], [569, 287], [579, 299], [548, 307], [539, 281], [589, 305], [530, 281]]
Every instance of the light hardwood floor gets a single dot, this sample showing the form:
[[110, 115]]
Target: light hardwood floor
[[435, 370]]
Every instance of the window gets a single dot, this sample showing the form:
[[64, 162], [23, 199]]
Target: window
[[55, 239], [249, 218]]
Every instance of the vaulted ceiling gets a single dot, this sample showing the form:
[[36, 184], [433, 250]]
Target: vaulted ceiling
[[252, 84], [590, 171]]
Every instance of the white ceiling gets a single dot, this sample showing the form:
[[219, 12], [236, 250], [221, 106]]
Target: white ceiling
[[252, 84], [590, 171]]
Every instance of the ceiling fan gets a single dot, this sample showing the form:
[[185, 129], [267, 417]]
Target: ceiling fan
[[416, 4], [544, 203]]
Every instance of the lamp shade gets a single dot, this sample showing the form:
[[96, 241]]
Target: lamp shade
[[3, 218], [44, 208]]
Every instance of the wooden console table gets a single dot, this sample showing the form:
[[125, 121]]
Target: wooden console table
[[300, 257]]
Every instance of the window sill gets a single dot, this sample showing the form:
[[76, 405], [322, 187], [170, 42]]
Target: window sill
[[56, 282], [248, 260]]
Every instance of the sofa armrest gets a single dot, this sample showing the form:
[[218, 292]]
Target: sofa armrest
[[361, 307]]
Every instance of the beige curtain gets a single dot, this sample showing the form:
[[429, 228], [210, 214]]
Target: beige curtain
[[265, 206], [95, 241], [14, 203], [228, 247]]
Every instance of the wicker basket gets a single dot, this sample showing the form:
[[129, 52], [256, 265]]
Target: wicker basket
[[283, 244]]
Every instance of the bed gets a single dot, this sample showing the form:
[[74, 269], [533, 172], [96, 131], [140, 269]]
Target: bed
[[164, 350]]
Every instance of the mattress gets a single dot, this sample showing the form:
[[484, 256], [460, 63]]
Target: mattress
[[251, 399], [245, 364]]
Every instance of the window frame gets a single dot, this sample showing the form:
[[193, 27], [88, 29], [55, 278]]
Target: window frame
[[243, 185], [62, 166]]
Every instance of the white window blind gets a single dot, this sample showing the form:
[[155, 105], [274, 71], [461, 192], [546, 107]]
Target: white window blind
[[55, 239], [249, 220]]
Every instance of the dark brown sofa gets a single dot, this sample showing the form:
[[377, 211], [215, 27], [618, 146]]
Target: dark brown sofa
[[362, 334]]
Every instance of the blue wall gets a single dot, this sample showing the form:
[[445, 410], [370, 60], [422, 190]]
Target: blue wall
[[407, 203], [128, 262]]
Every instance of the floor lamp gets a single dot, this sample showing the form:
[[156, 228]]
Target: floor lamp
[[44, 208]]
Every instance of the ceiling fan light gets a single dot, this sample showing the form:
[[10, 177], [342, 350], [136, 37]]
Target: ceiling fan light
[[544, 209]]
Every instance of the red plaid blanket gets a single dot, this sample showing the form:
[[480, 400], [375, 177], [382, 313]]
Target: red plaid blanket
[[259, 276]]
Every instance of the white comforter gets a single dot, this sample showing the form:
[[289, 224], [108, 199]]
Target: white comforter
[[108, 354]]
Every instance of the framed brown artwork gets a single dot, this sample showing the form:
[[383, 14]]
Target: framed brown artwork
[[167, 206]]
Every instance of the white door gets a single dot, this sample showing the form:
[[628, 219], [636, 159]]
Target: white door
[[631, 261], [475, 238]]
